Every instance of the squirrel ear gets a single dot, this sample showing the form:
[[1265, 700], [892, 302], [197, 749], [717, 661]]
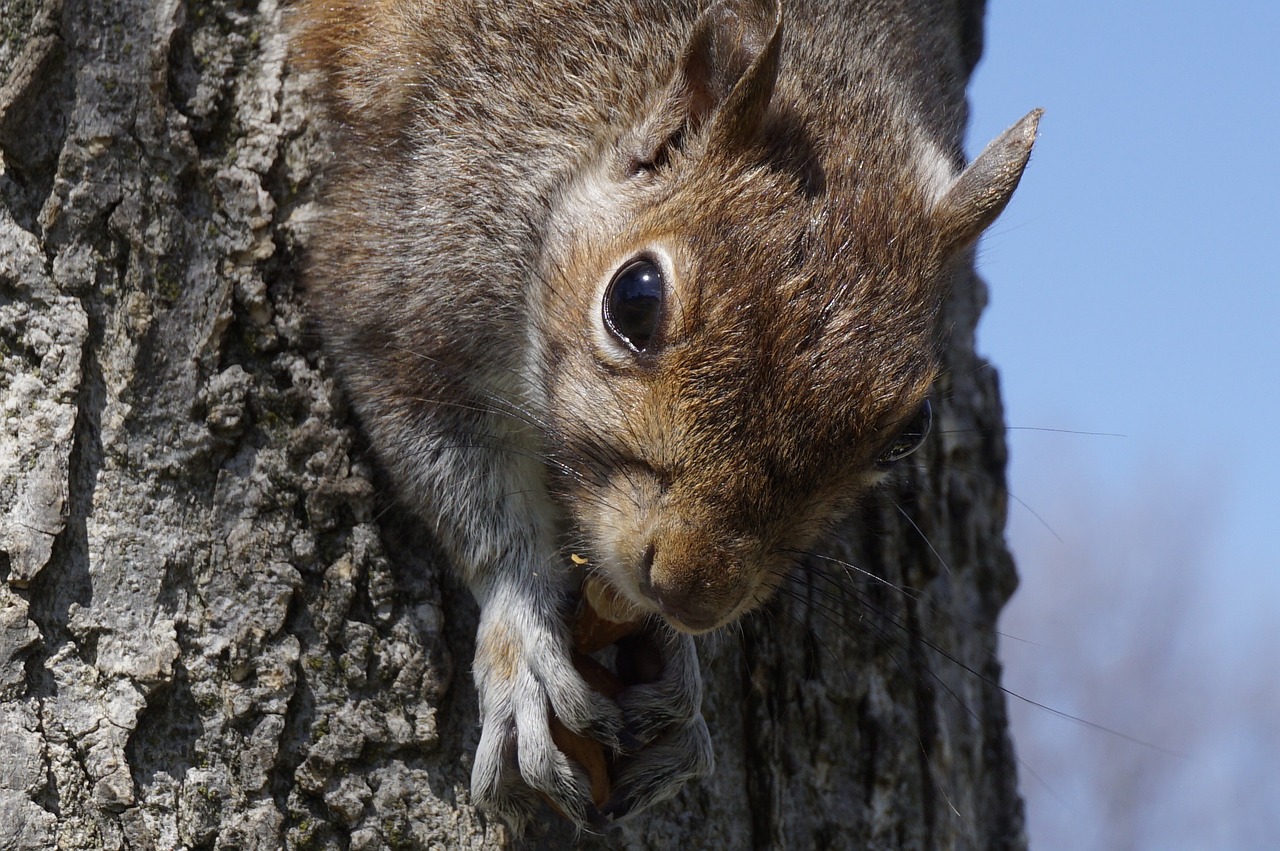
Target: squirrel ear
[[724, 80], [980, 193]]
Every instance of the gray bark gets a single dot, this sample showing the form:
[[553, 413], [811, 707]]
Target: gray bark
[[216, 631]]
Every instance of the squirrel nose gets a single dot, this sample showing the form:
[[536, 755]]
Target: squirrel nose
[[685, 598]]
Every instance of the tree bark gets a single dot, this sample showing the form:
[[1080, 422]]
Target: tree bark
[[216, 630]]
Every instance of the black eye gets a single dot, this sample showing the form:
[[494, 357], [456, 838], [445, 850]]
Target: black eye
[[633, 304], [910, 438]]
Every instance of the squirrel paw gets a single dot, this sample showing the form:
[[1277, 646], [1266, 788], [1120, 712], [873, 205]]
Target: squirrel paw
[[674, 697], [657, 772], [663, 716], [524, 673]]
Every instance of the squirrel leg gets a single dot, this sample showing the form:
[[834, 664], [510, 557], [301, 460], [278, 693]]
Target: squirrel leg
[[674, 696], [524, 672], [662, 712]]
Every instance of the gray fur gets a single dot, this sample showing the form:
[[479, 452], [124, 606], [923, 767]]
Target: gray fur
[[491, 171]]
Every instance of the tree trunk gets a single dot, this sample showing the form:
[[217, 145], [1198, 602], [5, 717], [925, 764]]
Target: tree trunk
[[217, 632]]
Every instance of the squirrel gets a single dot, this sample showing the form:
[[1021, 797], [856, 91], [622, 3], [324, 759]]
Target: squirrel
[[649, 285]]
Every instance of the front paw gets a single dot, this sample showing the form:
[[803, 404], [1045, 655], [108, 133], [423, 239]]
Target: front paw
[[662, 714], [662, 665], [525, 676], [659, 770]]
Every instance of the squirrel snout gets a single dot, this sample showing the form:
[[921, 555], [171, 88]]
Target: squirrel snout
[[696, 590]]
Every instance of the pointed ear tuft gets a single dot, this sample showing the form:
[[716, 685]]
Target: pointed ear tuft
[[980, 193], [724, 79]]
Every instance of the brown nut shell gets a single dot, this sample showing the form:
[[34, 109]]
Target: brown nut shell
[[602, 618]]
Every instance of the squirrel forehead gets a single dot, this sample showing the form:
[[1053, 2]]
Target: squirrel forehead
[[815, 272], [810, 212], [803, 288]]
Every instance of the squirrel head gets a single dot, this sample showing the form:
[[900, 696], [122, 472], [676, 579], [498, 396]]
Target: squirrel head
[[739, 323]]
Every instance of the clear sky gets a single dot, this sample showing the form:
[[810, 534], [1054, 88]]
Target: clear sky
[[1134, 290]]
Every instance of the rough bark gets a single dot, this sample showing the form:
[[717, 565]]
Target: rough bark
[[215, 629]]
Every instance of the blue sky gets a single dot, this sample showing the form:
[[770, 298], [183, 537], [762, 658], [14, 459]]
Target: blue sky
[[1134, 290]]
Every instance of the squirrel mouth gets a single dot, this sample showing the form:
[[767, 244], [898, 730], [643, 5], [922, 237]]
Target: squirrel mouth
[[686, 621], [634, 594], [688, 615]]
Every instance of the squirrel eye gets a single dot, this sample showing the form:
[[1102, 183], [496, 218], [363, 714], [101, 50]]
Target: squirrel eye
[[910, 438], [633, 304]]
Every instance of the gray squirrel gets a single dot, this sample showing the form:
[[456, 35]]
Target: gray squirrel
[[647, 290]]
